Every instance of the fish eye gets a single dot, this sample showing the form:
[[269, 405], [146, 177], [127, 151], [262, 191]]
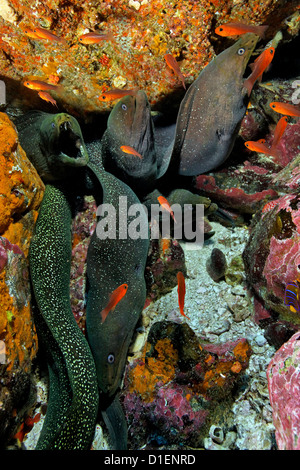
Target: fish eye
[[53, 125], [103, 97], [220, 29], [241, 51], [124, 107], [111, 358]]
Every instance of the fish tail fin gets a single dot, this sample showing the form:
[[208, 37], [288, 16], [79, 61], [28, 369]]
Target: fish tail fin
[[261, 30], [104, 314], [111, 37], [275, 153], [248, 84]]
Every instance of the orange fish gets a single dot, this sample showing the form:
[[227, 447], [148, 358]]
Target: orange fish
[[39, 85], [285, 108], [116, 94], [236, 29], [95, 38], [259, 66], [47, 97], [114, 299], [279, 130], [164, 203], [31, 34], [131, 151], [26, 427], [173, 64], [45, 34], [257, 146], [181, 292]]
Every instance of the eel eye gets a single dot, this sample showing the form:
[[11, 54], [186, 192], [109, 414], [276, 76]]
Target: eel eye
[[110, 358], [124, 107], [241, 51]]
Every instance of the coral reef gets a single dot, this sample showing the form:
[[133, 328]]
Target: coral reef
[[165, 259], [271, 255], [283, 382], [179, 386], [21, 193], [143, 33]]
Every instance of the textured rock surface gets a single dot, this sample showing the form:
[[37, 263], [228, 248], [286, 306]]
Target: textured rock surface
[[179, 386], [271, 256], [284, 379], [143, 30]]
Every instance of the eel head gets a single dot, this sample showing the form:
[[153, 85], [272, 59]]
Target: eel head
[[62, 143]]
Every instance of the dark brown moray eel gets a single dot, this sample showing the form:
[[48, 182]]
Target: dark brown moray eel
[[130, 123], [110, 263], [211, 112]]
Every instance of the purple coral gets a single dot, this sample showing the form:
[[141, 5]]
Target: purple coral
[[173, 414]]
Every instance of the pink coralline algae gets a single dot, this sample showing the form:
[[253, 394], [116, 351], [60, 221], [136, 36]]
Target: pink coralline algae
[[180, 386], [83, 226], [272, 254], [283, 375], [234, 197]]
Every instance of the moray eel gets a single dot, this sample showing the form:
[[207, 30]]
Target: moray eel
[[211, 112], [130, 123], [55, 146], [73, 399], [110, 263], [53, 143]]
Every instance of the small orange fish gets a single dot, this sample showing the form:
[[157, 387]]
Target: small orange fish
[[259, 66], [173, 64], [236, 29], [47, 97], [285, 108], [40, 85], [181, 292], [95, 38], [131, 151], [116, 94], [164, 203], [26, 427], [45, 34], [114, 299], [279, 130], [257, 146], [31, 34]]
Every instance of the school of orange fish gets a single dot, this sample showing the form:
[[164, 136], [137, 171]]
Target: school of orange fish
[[259, 66]]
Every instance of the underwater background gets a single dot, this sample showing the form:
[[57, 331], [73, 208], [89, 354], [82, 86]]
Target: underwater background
[[103, 344]]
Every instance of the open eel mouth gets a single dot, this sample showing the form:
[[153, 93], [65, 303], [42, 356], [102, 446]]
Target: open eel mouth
[[70, 146]]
